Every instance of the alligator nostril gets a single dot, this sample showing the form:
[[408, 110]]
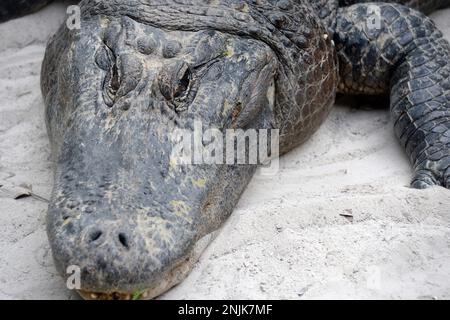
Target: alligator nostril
[[95, 235], [123, 239]]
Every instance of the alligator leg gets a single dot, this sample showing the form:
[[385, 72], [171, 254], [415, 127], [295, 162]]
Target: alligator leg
[[390, 48], [10, 9]]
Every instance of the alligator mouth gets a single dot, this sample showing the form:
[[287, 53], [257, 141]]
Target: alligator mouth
[[173, 277]]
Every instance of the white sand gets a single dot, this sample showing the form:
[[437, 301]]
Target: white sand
[[286, 239]]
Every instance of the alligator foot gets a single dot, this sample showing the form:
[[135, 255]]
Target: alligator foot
[[432, 173], [401, 52]]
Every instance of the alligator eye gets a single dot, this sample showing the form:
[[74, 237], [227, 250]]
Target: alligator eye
[[179, 82], [107, 60], [111, 85], [114, 82], [176, 82], [183, 85]]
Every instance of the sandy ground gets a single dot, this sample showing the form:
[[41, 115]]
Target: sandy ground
[[288, 238]]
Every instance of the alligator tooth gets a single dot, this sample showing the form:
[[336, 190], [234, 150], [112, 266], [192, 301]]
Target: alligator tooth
[[325, 36]]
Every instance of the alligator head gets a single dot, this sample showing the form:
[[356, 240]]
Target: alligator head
[[123, 210]]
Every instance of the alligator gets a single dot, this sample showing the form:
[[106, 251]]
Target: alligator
[[134, 222]]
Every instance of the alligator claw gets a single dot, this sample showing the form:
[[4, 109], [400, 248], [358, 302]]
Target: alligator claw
[[425, 178]]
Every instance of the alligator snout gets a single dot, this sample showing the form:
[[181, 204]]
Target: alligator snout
[[123, 254]]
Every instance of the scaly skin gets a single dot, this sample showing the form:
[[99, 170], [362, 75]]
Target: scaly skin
[[409, 59], [133, 221]]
